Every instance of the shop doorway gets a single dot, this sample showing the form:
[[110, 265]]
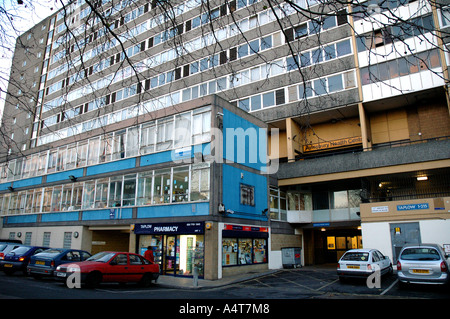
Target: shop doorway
[[177, 255]]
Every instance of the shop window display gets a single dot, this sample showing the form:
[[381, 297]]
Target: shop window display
[[243, 251]]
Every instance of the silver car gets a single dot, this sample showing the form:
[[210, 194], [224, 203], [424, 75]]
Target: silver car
[[423, 264]]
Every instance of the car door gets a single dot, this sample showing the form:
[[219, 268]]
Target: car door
[[117, 270], [383, 262], [137, 267]]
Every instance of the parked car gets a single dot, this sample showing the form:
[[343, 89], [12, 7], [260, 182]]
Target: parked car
[[18, 258], [423, 264], [360, 263], [6, 247], [45, 263], [110, 266]]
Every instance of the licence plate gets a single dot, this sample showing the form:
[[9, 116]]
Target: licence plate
[[420, 271], [39, 262], [353, 267], [61, 274], [8, 265]]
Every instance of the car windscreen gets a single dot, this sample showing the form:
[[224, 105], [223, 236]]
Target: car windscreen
[[356, 256], [20, 250], [101, 257], [420, 254]]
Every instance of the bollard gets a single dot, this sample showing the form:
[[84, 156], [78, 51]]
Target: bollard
[[195, 273]]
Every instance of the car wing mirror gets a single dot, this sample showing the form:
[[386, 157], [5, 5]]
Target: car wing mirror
[[113, 262]]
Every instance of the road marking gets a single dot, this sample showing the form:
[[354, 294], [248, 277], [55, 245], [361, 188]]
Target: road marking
[[389, 288], [330, 283]]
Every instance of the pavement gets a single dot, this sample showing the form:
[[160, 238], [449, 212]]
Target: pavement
[[190, 283]]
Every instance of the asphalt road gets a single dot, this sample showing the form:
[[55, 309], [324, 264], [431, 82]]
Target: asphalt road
[[280, 291]]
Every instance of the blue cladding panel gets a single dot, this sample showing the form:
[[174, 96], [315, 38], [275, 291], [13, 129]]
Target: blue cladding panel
[[117, 213], [231, 192], [60, 217], [111, 167], [64, 176], [170, 156], [28, 182], [4, 186], [22, 219], [174, 210], [244, 142]]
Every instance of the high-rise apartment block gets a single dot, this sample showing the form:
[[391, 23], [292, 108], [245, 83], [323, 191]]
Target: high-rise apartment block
[[221, 133]]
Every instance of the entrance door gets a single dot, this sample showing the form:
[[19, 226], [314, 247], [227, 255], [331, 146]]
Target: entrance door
[[402, 234], [172, 254]]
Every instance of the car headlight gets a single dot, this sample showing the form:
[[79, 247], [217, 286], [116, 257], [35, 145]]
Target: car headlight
[[73, 269], [58, 268]]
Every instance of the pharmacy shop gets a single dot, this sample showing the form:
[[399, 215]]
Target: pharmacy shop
[[177, 247]]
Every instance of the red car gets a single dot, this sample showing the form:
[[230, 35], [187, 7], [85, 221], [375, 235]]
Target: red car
[[109, 266]]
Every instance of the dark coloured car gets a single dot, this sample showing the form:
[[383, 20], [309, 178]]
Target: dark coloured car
[[45, 263], [18, 259], [109, 266], [6, 247]]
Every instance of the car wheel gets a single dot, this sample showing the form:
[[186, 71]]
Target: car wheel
[[146, 280], [93, 279]]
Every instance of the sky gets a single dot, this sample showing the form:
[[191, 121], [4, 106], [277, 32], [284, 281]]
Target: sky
[[25, 17]]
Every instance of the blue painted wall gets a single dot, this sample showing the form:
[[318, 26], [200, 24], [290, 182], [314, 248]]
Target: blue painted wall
[[106, 214], [60, 217], [111, 166], [174, 210], [249, 146], [21, 219], [64, 176], [231, 192]]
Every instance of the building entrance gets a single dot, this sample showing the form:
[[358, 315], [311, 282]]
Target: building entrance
[[176, 254]]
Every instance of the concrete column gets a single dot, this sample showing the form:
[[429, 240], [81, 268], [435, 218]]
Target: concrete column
[[365, 128]]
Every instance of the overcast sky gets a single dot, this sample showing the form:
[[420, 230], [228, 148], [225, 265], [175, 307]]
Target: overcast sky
[[26, 15]]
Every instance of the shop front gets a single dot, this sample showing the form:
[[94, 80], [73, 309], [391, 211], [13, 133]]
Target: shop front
[[177, 247], [244, 245]]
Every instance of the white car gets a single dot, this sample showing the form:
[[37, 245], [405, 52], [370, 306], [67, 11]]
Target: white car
[[360, 263]]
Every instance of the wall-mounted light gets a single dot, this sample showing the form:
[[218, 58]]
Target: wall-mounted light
[[422, 178], [72, 178], [76, 234], [322, 229]]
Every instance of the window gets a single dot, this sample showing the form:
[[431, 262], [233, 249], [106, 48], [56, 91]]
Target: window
[[67, 240], [132, 144], [301, 31], [129, 190], [88, 195], [115, 192], [101, 193], [268, 99], [335, 83], [243, 251], [46, 239], [182, 130], [247, 195], [144, 192], [199, 186], [148, 135], [180, 184], [161, 186], [164, 137]]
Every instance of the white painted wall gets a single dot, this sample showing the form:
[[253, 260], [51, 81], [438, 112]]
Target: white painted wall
[[56, 236], [377, 235]]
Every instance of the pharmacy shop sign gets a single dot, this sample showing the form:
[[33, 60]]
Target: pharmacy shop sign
[[169, 228]]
